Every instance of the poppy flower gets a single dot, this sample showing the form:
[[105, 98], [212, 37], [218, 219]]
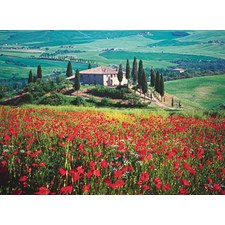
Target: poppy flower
[[66, 190], [217, 187], [62, 172], [185, 182], [145, 187], [17, 192], [96, 173], [86, 188], [166, 187], [42, 191], [144, 176], [183, 191], [104, 164], [23, 178]]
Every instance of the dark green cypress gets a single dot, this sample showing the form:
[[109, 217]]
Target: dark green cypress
[[172, 103], [144, 83], [35, 79], [77, 81], [30, 78], [134, 72], [39, 72], [128, 70], [120, 74], [157, 80], [89, 66], [69, 70], [161, 86], [152, 76], [140, 72]]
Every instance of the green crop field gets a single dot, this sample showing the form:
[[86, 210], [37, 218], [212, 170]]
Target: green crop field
[[157, 48], [200, 92]]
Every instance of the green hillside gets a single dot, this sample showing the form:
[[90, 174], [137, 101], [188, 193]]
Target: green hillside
[[200, 92]]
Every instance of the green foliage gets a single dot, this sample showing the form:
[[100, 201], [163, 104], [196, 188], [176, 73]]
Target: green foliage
[[161, 86], [69, 70], [134, 72], [5, 91], [79, 100], [157, 82], [106, 102], [77, 81], [102, 91], [39, 72], [128, 70], [30, 78], [53, 99], [140, 73], [89, 65], [120, 74], [152, 76], [144, 84], [27, 99]]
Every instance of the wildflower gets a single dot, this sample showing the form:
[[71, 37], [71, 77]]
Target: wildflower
[[185, 182], [66, 190], [183, 191], [23, 178], [96, 173], [144, 176]]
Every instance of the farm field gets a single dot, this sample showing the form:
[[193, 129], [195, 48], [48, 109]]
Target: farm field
[[160, 49], [52, 151], [199, 92]]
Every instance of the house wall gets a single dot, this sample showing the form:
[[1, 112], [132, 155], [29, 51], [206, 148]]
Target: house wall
[[112, 80], [92, 79]]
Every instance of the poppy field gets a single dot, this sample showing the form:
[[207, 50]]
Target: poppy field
[[49, 152]]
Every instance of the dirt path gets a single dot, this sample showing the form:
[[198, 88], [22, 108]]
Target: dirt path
[[146, 99]]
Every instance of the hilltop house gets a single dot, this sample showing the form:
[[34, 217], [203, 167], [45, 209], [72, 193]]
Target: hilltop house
[[100, 75]]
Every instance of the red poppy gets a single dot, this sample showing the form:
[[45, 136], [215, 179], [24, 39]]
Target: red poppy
[[118, 184], [66, 190], [86, 188], [166, 187], [209, 180], [42, 164], [145, 187], [185, 182], [42, 191], [144, 176], [62, 172], [217, 187], [183, 191], [104, 164], [96, 173], [23, 178], [80, 170], [118, 174]]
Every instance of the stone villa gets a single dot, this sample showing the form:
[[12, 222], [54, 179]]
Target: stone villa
[[100, 75]]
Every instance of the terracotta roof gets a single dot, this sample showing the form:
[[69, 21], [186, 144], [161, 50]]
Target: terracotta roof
[[99, 70]]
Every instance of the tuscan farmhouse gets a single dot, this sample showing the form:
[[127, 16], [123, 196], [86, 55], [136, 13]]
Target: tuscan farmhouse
[[100, 75]]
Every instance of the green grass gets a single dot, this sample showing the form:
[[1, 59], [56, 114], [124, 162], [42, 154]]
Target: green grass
[[20, 66], [153, 56], [200, 92]]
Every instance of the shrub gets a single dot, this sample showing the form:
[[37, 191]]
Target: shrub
[[106, 102], [79, 100], [53, 99], [27, 98]]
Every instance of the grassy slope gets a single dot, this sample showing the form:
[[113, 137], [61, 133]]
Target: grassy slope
[[200, 92]]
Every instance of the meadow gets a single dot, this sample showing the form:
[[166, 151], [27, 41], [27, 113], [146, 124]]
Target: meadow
[[51, 150], [199, 92]]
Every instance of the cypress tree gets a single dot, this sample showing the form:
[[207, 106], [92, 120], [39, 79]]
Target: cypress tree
[[157, 81], [179, 104], [161, 86], [69, 70], [30, 78], [134, 72], [77, 81], [172, 103], [140, 72], [39, 72], [128, 70], [120, 74], [144, 83], [152, 76], [35, 79], [89, 66]]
